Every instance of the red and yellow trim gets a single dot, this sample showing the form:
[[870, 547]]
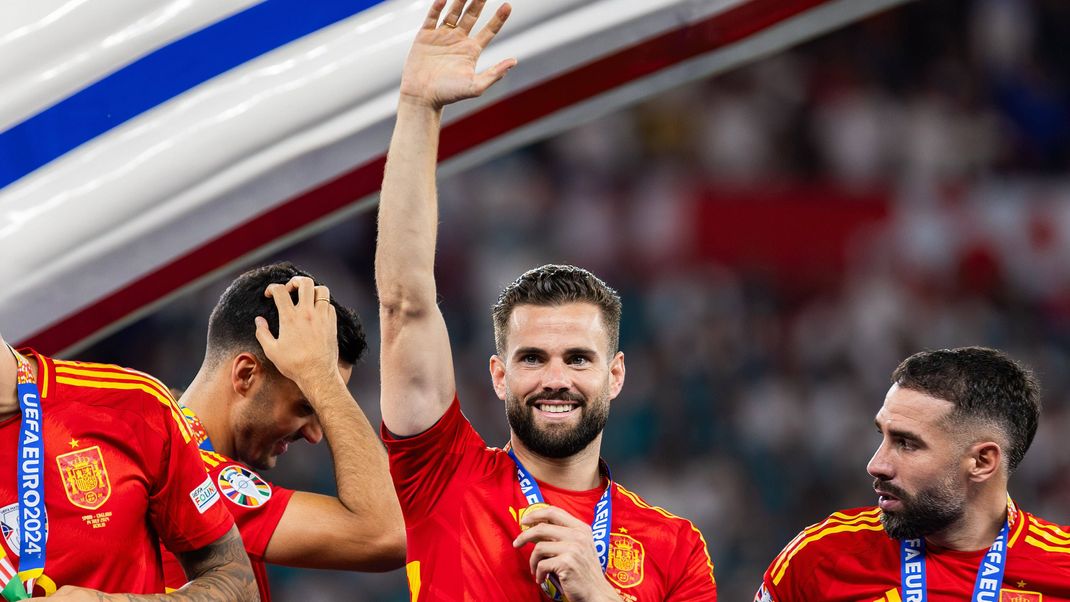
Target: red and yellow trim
[[641, 503], [103, 376], [212, 459], [1048, 537], [838, 522]]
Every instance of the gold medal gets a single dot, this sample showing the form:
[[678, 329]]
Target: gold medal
[[523, 511]]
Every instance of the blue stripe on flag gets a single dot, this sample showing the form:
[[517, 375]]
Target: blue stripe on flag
[[162, 75]]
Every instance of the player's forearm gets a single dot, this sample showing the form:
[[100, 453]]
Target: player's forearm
[[218, 572], [231, 580], [362, 475], [408, 213]]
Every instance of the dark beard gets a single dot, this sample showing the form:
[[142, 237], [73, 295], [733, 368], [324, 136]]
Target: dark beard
[[557, 443], [927, 512]]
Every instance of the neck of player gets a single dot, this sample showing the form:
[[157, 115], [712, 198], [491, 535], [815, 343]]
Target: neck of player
[[578, 472], [208, 396], [978, 528], [9, 397]]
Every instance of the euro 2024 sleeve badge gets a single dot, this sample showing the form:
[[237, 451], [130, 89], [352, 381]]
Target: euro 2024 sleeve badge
[[85, 477], [243, 486]]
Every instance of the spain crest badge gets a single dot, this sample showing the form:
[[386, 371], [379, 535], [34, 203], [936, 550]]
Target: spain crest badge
[[1014, 595], [85, 477], [626, 558]]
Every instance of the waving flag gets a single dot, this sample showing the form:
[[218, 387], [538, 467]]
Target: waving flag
[[145, 146]]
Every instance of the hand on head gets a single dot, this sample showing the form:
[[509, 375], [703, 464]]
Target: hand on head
[[441, 67], [306, 349]]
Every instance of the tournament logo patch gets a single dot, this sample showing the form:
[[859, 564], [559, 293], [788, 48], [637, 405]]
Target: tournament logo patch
[[1014, 595], [243, 486], [85, 477], [205, 495], [626, 558], [9, 525]]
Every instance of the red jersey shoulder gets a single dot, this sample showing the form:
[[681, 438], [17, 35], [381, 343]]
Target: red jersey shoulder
[[108, 385], [683, 536], [843, 532], [1045, 541], [239, 484], [656, 514]]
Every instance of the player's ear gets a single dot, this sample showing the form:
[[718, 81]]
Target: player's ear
[[245, 369], [497, 375], [985, 460], [616, 374]]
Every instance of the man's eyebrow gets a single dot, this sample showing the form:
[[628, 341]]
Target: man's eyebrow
[[898, 432]]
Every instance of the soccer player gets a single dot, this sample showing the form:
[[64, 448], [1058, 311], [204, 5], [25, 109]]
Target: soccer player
[[544, 514], [954, 426], [280, 352], [98, 462]]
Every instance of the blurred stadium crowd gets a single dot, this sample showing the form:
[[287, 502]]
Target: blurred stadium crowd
[[782, 236]]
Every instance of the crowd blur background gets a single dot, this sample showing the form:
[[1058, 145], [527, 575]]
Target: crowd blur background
[[782, 235]]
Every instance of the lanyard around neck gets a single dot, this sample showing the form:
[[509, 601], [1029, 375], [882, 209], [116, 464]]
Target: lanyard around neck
[[989, 575], [600, 526], [33, 521]]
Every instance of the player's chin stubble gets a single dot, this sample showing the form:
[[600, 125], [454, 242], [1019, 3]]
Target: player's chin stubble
[[558, 441], [929, 511]]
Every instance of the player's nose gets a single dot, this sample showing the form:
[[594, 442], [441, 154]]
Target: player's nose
[[312, 431], [555, 376], [880, 465]]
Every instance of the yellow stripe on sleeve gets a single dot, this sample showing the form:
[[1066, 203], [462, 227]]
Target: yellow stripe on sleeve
[[841, 528], [638, 501], [836, 518], [1029, 539], [112, 373], [165, 399], [1054, 530]]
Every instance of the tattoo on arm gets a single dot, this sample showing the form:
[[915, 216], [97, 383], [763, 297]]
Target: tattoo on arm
[[218, 572]]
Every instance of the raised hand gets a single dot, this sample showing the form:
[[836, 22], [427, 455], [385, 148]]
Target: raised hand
[[306, 350], [564, 546], [441, 67]]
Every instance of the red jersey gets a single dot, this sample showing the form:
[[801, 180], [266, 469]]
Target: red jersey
[[256, 505], [461, 500], [121, 473], [849, 557]]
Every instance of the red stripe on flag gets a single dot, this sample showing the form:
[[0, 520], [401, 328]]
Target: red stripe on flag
[[574, 86]]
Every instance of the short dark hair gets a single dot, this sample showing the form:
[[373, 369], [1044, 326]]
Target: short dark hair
[[232, 324], [550, 285], [983, 384]]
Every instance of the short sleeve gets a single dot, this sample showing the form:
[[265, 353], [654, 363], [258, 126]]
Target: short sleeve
[[256, 505], [696, 583], [427, 466], [777, 582], [184, 504]]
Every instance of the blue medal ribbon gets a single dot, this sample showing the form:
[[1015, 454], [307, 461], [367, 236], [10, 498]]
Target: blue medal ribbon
[[600, 527], [33, 521], [989, 575]]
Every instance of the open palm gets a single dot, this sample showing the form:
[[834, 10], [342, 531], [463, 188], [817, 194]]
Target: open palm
[[441, 68]]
